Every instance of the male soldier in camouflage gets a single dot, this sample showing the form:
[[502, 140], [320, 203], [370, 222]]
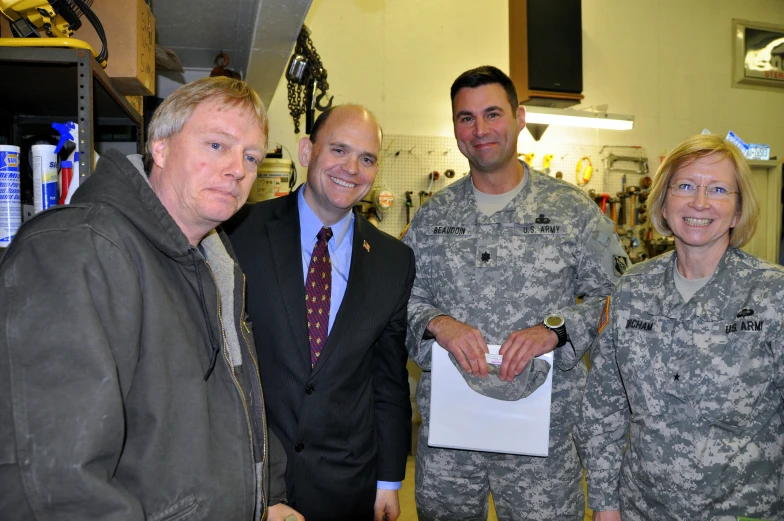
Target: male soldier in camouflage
[[682, 418], [496, 252]]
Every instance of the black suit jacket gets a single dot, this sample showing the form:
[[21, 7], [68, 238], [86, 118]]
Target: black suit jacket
[[346, 423]]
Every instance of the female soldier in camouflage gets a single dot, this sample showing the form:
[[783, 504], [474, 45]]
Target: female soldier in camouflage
[[682, 418]]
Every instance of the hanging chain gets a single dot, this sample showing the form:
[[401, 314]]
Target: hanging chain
[[305, 51]]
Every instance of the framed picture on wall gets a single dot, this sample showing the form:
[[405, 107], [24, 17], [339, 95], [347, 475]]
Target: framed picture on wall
[[758, 54]]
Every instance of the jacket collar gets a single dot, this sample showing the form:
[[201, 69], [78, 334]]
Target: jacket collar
[[710, 303], [116, 182]]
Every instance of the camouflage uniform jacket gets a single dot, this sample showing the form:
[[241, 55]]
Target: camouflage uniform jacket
[[683, 414], [505, 272]]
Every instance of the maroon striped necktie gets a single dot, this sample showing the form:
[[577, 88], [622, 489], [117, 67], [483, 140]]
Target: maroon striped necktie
[[318, 294]]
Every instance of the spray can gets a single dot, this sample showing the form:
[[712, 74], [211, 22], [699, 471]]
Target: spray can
[[10, 194], [66, 175], [44, 177], [69, 131]]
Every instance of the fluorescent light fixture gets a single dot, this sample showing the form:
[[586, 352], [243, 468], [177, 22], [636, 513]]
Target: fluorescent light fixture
[[576, 118]]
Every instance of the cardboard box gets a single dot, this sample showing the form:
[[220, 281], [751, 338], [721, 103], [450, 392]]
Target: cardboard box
[[130, 32], [137, 102], [5, 28]]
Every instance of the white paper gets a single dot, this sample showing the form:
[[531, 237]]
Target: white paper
[[461, 418]]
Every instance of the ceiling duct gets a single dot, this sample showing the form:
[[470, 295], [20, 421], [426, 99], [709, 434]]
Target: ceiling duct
[[257, 35]]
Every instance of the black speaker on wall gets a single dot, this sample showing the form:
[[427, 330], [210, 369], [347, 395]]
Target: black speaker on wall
[[555, 46]]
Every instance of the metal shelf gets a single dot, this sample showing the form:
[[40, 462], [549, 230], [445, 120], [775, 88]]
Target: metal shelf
[[42, 85]]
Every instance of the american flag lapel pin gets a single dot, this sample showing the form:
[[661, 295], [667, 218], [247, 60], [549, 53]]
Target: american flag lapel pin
[[366, 246]]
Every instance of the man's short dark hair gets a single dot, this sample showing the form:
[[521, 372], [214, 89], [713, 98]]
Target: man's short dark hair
[[486, 75], [321, 120]]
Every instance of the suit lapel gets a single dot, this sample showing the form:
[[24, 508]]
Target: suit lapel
[[284, 245], [356, 290]]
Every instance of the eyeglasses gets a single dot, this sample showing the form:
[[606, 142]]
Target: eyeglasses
[[714, 193]]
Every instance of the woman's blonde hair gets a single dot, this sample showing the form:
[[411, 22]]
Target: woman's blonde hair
[[694, 148]]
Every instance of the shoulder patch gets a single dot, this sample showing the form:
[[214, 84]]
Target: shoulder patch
[[621, 263], [604, 316]]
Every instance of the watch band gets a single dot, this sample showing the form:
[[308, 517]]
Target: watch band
[[562, 336]]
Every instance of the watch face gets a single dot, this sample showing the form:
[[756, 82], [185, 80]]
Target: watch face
[[554, 321]]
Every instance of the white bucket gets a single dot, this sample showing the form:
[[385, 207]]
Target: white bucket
[[272, 180]]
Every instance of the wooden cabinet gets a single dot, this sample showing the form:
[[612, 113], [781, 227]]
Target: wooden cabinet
[[545, 51]]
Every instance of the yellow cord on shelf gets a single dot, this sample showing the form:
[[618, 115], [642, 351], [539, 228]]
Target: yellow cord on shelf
[[72, 43]]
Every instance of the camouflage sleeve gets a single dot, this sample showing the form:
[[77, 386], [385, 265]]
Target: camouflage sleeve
[[601, 432], [777, 347], [420, 308], [602, 261]]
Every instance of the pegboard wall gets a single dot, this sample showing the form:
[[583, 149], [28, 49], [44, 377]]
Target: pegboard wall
[[406, 165], [408, 161]]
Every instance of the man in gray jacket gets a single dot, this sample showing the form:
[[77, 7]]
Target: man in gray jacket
[[128, 383]]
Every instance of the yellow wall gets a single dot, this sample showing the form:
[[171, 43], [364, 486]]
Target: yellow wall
[[667, 62]]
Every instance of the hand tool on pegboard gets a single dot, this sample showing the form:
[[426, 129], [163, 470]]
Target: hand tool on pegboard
[[546, 160], [604, 198], [632, 191], [600, 199], [642, 213], [409, 204], [622, 208], [636, 147], [642, 163], [583, 170], [614, 211]]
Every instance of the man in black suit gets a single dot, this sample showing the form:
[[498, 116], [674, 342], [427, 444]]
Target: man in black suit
[[327, 292]]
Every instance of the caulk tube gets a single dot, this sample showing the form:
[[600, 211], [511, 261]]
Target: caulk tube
[[44, 177], [10, 194]]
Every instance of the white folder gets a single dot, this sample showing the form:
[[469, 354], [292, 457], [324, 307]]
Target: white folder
[[461, 418]]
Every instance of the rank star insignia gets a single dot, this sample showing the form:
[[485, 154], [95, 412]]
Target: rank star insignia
[[485, 257], [366, 246], [677, 377]]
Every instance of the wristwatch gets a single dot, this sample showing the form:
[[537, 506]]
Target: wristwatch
[[556, 323]]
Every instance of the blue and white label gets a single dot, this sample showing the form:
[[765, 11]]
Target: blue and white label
[[44, 177], [10, 194]]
